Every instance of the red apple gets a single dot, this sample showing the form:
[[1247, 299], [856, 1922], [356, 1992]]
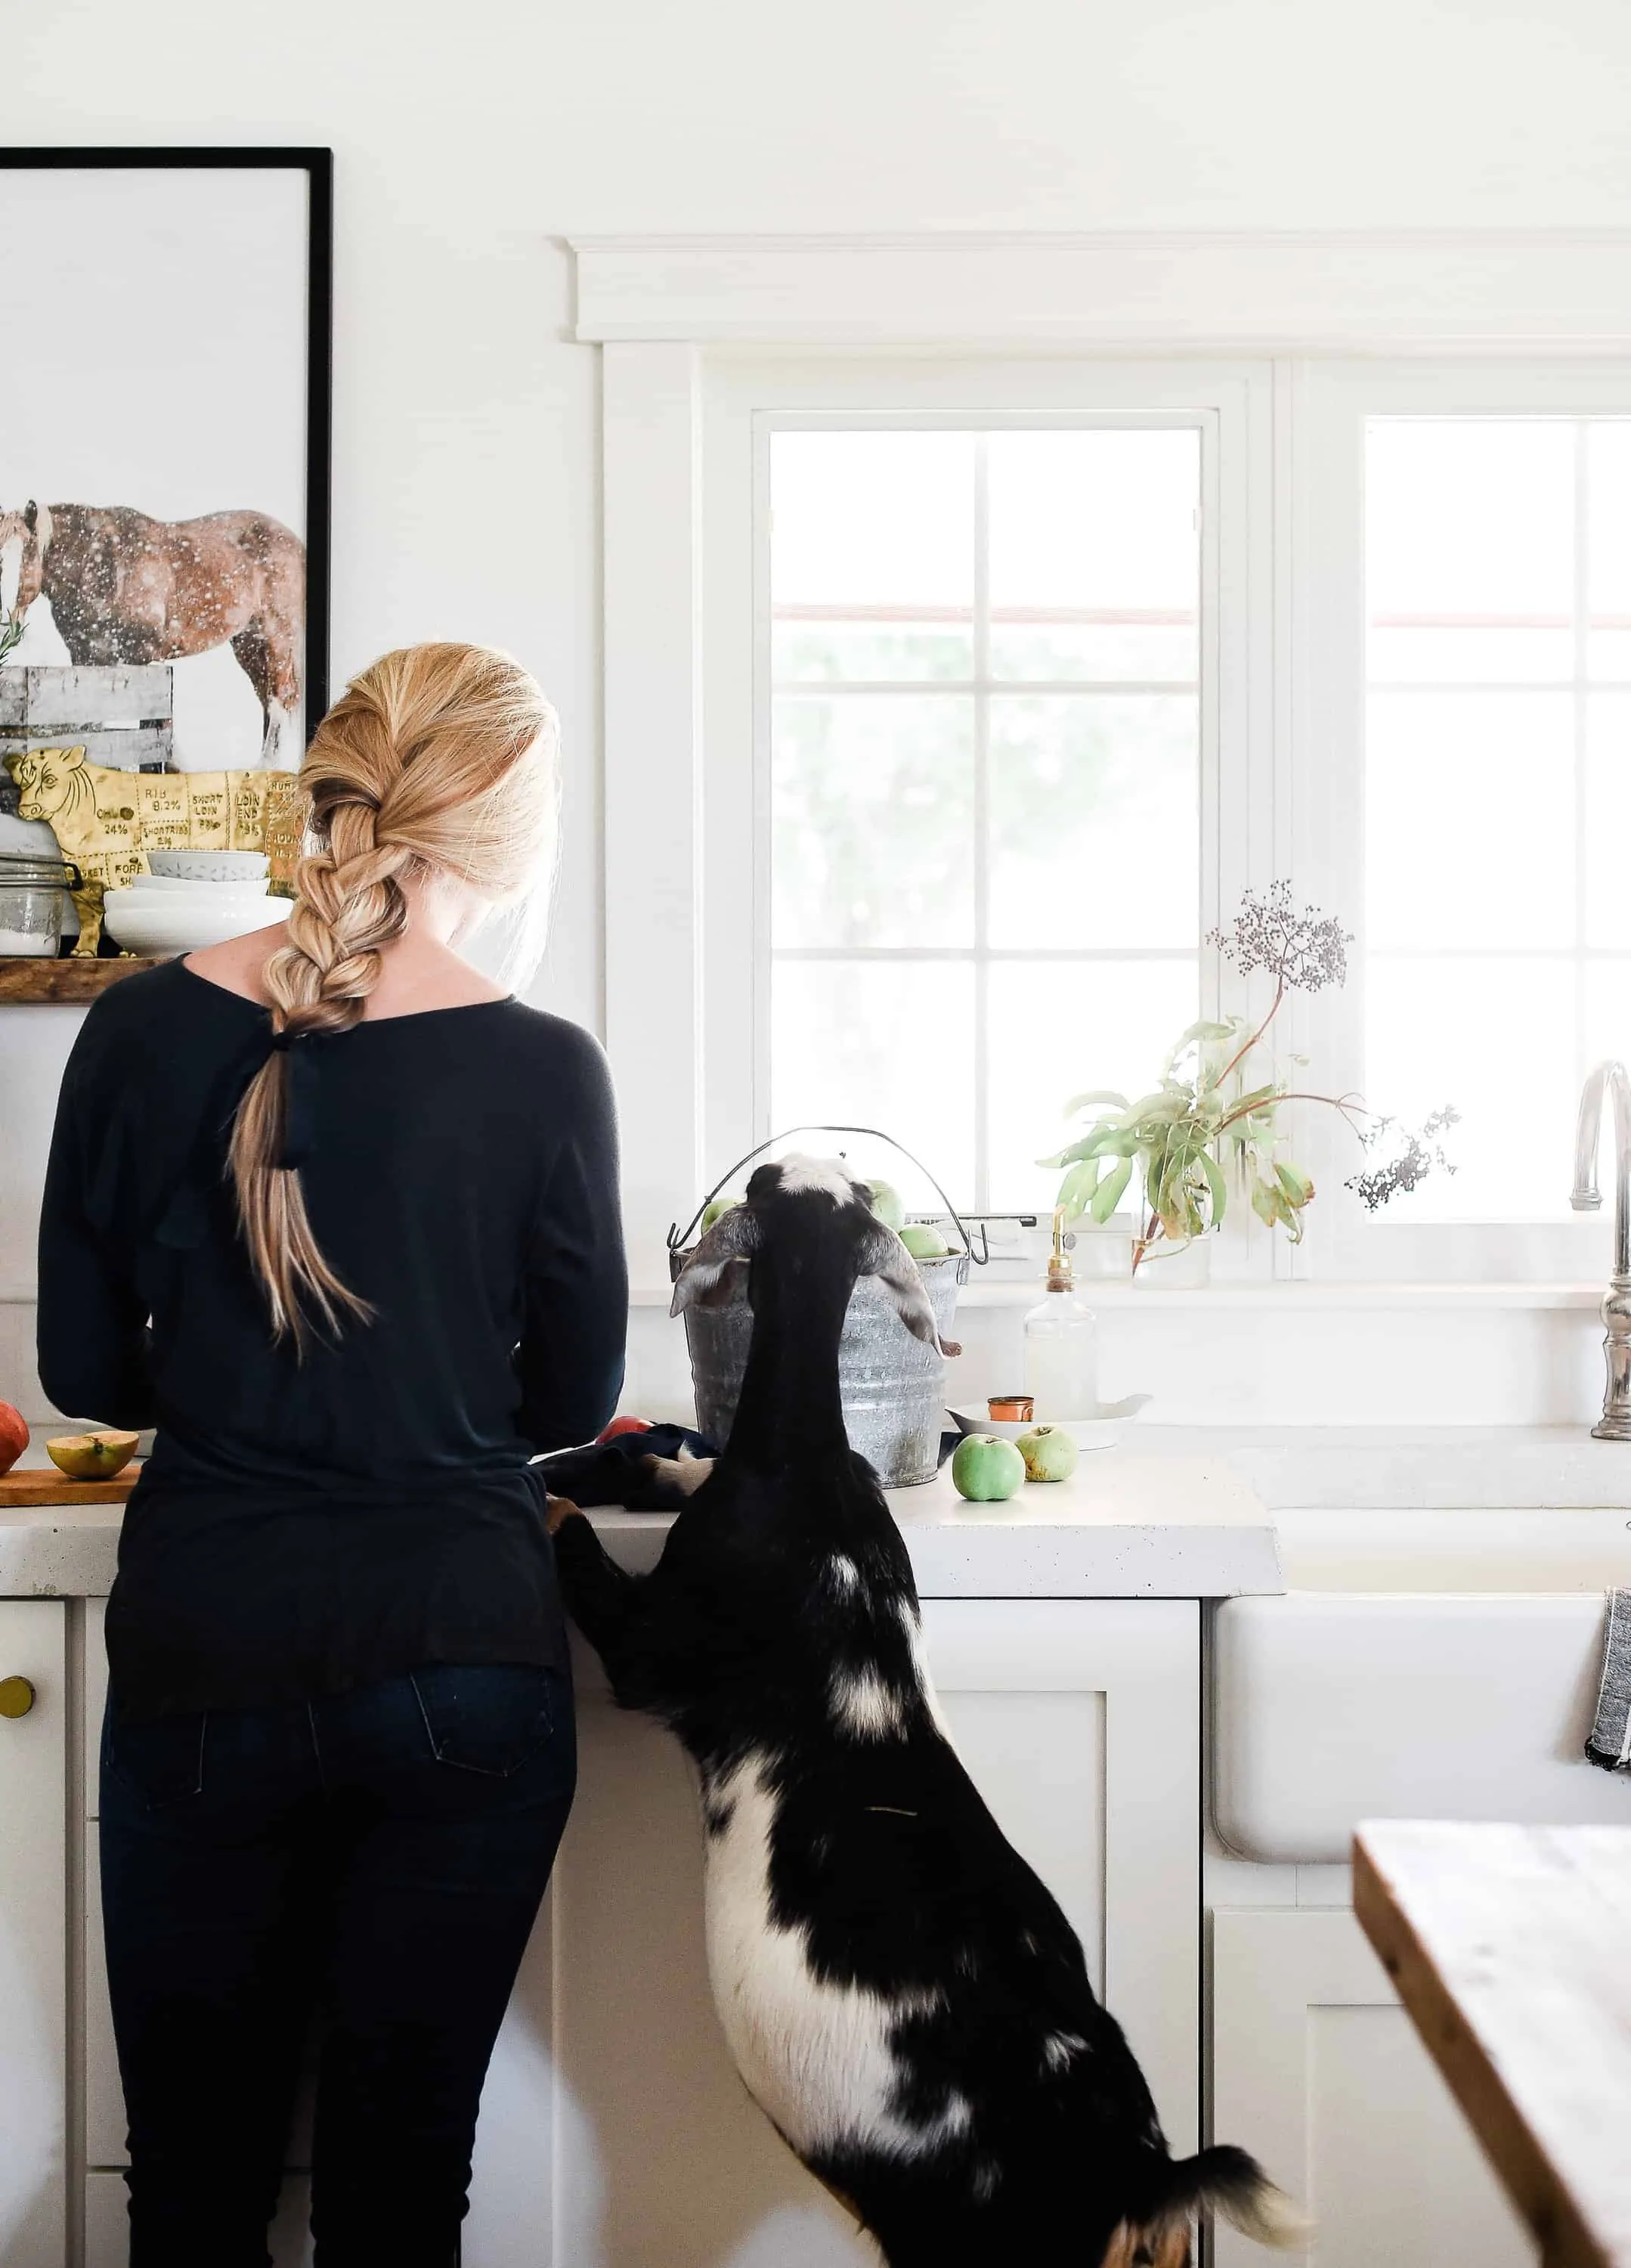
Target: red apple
[[624, 1425], [13, 1436]]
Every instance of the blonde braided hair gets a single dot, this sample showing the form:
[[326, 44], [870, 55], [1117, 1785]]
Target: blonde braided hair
[[438, 759]]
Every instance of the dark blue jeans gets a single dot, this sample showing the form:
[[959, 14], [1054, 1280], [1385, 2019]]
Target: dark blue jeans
[[373, 1862]]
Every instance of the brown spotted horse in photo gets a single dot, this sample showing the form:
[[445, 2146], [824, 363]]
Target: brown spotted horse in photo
[[125, 589], [903, 1998]]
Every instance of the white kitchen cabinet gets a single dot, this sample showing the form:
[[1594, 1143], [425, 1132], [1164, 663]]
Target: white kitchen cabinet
[[615, 2132], [33, 1950], [1318, 2071]]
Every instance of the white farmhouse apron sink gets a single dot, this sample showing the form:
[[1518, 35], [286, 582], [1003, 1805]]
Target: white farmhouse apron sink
[[1421, 1664]]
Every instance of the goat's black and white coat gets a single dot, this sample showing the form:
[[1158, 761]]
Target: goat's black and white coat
[[902, 1996]]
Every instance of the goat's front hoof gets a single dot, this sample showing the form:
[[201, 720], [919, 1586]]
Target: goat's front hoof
[[560, 1508], [686, 1472]]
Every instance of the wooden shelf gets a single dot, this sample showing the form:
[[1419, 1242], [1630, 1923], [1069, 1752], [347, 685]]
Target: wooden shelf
[[23, 977]]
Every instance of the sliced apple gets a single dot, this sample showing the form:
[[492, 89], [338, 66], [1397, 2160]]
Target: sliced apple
[[91, 1456]]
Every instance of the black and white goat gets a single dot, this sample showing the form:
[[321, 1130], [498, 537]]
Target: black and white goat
[[903, 1998]]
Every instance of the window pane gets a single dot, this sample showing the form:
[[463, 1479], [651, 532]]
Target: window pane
[[1095, 555], [1607, 819], [1469, 820], [1107, 1024], [920, 827], [1495, 1037], [872, 799], [1470, 549], [1609, 484], [872, 551], [1608, 1015], [1435, 654], [1095, 820], [1493, 798], [880, 1043]]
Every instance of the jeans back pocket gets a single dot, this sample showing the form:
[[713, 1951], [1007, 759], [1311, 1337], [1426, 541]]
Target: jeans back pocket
[[489, 1719]]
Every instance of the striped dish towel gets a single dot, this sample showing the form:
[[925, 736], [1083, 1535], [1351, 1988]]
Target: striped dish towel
[[1610, 1744]]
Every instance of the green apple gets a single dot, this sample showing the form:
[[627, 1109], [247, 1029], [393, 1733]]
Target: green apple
[[715, 1209], [923, 1243], [1050, 1454], [987, 1469], [887, 1205]]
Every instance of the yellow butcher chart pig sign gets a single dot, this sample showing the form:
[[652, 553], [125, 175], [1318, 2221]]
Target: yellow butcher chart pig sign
[[106, 822]]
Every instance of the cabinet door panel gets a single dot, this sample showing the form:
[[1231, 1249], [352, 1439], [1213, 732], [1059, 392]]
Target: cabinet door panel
[[1319, 2072], [1078, 1720], [33, 1929], [95, 1701]]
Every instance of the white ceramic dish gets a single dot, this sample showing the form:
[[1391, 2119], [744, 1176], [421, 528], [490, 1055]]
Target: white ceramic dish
[[1101, 1431], [209, 865], [252, 886], [143, 922]]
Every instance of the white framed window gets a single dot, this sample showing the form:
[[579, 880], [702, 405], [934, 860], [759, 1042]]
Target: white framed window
[[1452, 856], [978, 669], [1467, 608]]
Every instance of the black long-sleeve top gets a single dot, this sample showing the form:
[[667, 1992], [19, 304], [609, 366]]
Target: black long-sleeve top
[[309, 1526]]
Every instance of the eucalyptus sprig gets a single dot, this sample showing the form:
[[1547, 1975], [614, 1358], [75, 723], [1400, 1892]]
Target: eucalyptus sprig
[[12, 629], [1214, 1117]]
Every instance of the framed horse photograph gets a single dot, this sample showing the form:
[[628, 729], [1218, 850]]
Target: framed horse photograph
[[164, 454]]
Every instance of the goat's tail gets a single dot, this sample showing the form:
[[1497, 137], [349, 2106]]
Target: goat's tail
[[1222, 2180]]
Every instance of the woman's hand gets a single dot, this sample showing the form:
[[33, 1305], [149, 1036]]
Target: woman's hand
[[557, 1509]]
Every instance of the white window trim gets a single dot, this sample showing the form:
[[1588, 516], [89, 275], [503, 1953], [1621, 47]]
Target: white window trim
[[670, 315]]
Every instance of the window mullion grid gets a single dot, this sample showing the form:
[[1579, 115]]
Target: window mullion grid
[[981, 845], [1582, 671]]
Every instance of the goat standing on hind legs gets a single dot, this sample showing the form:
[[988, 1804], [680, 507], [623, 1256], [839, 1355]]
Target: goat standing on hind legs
[[903, 1998]]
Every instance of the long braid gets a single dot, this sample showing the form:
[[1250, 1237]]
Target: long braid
[[421, 763]]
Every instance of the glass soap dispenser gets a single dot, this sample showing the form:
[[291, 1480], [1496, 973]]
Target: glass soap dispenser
[[1062, 1344]]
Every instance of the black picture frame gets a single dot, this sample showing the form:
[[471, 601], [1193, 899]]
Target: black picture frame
[[318, 166]]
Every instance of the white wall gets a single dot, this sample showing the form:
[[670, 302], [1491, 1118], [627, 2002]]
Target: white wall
[[470, 138]]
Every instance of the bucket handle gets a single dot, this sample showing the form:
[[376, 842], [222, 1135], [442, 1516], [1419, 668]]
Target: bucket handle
[[678, 1239]]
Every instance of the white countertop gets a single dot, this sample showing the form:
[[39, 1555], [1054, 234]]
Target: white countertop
[[66, 1551], [1126, 1525], [1176, 1512], [1410, 1467]]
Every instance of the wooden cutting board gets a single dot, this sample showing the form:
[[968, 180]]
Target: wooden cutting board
[[36, 1485]]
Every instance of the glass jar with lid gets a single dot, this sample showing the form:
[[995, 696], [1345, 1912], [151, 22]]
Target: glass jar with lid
[[34, 904]]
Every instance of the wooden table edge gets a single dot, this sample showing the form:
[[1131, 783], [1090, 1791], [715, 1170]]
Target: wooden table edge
[[1528, 2175]]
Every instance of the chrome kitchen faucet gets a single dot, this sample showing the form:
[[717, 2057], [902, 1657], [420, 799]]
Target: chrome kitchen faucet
[[1615, 1422]]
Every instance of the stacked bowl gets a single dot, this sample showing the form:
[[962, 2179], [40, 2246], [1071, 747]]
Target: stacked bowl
[[192, 898]]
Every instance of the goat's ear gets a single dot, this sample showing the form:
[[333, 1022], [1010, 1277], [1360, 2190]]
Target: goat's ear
[[883, 1256], [732, 1237]]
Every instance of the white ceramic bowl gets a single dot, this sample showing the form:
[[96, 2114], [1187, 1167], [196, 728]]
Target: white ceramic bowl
[[208, 866], [143, 922], [252, 886], [1099, 1430]]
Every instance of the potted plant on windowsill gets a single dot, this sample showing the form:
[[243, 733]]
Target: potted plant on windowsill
[[1215, 1118]]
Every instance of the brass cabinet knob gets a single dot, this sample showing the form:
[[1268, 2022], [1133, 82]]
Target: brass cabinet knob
[[17, 1696]]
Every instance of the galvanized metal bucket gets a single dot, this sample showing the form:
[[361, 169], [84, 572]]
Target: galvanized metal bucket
[[892, 1385]]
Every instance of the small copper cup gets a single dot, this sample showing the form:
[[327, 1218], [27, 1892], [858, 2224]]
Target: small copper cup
[[1010, 1409]]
